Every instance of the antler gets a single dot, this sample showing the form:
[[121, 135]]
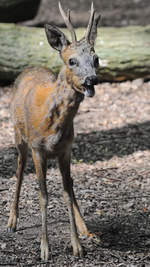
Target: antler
[[68, 23], [90, 24]]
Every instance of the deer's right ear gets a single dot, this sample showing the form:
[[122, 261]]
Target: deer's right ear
[[56, 38]]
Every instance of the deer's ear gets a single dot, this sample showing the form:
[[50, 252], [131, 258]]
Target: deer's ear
[[56, 38]]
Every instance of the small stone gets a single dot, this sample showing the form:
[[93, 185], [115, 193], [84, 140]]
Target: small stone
[[3, 245]]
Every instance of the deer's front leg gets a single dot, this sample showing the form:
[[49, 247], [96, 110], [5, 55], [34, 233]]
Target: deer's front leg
[[40, 162], [73, 209]]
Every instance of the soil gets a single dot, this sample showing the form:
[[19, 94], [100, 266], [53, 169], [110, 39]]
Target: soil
[[111, 172]]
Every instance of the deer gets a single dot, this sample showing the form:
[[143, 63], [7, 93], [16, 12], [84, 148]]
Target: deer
[[43, 108]]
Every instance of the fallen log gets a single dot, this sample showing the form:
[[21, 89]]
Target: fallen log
[[124, 52]]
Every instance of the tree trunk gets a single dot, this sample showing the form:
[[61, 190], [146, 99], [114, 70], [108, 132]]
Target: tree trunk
[[124, 52]]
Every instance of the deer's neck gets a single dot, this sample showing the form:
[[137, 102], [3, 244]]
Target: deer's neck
[[65, 101]]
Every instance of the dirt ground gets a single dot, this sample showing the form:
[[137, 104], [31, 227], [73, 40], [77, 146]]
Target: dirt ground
[[111, 172]]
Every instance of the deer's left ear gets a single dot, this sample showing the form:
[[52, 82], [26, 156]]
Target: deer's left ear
[[56, 38], [93, 33]]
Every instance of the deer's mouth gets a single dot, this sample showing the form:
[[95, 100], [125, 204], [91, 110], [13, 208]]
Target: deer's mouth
[[89, 91]]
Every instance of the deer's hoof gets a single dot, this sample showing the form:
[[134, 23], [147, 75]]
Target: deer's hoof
[[11, 229], [77, 249], [44, 250], [12, 223]]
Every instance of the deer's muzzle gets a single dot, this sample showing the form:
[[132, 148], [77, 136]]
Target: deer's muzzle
[[88, 85]]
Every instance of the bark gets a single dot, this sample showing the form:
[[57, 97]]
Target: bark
[[124, 52]]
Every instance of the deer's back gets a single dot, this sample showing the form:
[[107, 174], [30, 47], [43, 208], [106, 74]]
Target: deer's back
[[31, 91], [33, 78]]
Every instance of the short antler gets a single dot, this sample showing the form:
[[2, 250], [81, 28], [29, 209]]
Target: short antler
[[90, 24], [68, 23]]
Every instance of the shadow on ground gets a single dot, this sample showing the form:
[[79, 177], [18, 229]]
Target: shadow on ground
[[124, 232], [102, 145]]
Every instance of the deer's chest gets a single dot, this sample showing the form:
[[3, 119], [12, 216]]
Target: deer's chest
[[57, 143], [56, 140]]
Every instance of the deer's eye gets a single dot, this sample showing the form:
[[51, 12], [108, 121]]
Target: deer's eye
[[73, 62], [96, 61]]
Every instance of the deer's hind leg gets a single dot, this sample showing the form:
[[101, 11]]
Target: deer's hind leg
[[22, 149]]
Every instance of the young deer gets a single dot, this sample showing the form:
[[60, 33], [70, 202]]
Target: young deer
[[43, 110]]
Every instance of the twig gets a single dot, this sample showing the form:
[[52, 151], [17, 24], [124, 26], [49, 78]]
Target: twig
[[111, 179], [8, 264], [124, 198], [4, 189]]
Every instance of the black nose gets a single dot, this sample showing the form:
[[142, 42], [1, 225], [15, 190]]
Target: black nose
[[91, 80]]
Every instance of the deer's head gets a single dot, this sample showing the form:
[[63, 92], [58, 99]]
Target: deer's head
[[79, 56]]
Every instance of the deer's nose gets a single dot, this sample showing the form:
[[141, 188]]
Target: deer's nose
[[91, 80]]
